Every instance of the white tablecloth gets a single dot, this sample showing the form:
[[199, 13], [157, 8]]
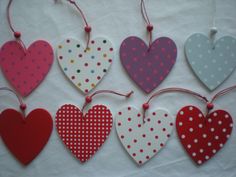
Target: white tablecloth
[[117, 19]]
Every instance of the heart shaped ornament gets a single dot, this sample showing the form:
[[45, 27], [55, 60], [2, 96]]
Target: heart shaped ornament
[[26, 69], [211, 63], [148, 67], [85, 68], [25, 137], [82, 134], [202, 137], [143, 140]]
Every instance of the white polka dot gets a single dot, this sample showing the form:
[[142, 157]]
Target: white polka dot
[[200, 125], [219, 122], [189, 146], [182, 136], [201, 150], [226, 116], [227, 136], [204, 135], [195, 140], [181, 112], [231, 125], [214, 114], [209, 144], [199, 162], [180, 123], [209, 120], [224, 130], [191, 129], [214, 151], [216, 137], [190, 119], [221, 145], [190, 108], [212, 129], [206, 157], [194, 154], [200, 115]]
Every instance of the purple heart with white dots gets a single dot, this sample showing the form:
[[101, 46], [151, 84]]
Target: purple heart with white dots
[[148, 67]]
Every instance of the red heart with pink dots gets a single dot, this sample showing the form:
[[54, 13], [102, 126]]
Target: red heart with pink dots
[[83, 134], [148, 67], [143, 140], [202, 137], [25, 70]]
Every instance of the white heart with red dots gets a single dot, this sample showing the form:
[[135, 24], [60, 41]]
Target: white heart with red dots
[[85, 67], [143, 140]]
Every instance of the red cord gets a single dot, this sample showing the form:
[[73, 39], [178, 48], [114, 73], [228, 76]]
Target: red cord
[[146, 19], [87, 27], [88, 99], [22, 104], [17, 34]]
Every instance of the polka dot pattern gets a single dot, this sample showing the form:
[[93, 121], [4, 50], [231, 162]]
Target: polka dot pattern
[[202, 137], [25, 70], [212, 63], [148, 68], [85, 67], [83, 135], [143, 140]]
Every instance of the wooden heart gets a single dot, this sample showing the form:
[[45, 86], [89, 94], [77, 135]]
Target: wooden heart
[[25, 70], [202, 137], [85, 68], [82, 134], [143, 140], [25, 137]]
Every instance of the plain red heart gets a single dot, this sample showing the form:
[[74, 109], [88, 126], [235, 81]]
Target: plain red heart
[[25, 137], [202, 137], [83, 134]]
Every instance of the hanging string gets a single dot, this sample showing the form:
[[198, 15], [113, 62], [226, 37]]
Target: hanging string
[[87, 28], [146, 19], [22, 104], [223, 92], [213, 29], [168, 90], [17, 34], [88, 99]]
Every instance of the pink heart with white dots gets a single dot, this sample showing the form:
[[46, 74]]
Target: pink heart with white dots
[[25, 69], [143, 140], [202, 137]]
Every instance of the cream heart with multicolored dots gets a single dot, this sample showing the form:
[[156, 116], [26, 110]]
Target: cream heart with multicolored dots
[[85, 67], [143, 139]]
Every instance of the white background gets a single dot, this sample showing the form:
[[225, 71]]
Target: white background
[[117, 19]]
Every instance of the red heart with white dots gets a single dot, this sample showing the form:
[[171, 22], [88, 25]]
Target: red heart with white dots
[[26, 69], [143, 140], [25, 137], [202, 137], [83, 134]]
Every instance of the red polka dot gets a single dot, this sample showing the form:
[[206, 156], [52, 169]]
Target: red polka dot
[[138, 115], [119, 113], [151, 129], [130, 129], [156, 137], [73, 77], [163, 129], [86, 90], [166, 115], [98, 78], [98, 63], [119, 124], [110, 60], [134, 154], [92, 42], [153, 113], [111, 49], [128, 146], [147, 157], [144, 135], [148, 119], [67, 40], [141, 150], [158, 121], [80, 55], [129, 108], [154, 150], [61, 57], [140, 162], [135, 141], [86, 80], [122, 136], [86, 64], [171, 124], [149, 143], [99, 48], [168, 135], [161, 144], [139, 125], [129, 119]]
